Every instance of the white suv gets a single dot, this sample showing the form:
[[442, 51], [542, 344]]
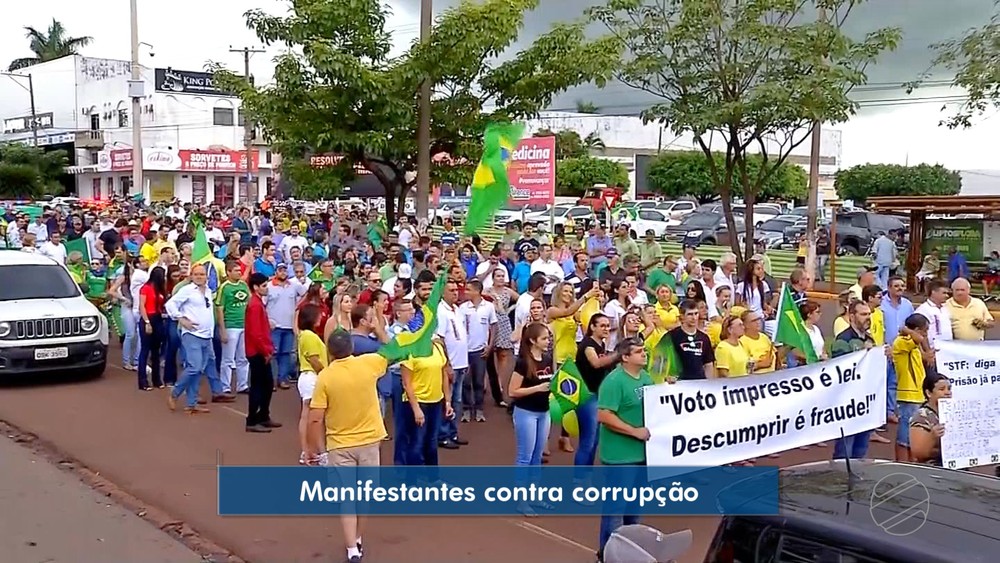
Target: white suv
[[46, 324]]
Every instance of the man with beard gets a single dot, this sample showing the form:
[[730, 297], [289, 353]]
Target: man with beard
[[854, 338]]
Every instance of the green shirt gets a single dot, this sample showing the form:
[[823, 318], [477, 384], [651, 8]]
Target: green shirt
[[386, 272], [232, 298], [621, 394], [626, 247], [660, 277], [374, 236], [97, 286]]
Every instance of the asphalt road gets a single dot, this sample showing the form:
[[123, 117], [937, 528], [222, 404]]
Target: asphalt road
[[168, 461]]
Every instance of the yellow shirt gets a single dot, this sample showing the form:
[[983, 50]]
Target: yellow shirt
[[877, 329], [564, 331], [910, 372], [427, 376], [714, 331], [310, 344], [346, 390], [159, 245], [962, 317], [670, 315], [840, 325], [148, 251], [758, 348], [731, 358]]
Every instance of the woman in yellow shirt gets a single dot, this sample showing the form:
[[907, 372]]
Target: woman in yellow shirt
[[313, 359], [840, 324], [758, 345], [562, 318], [669, 314], [731, 358], [428, 393]]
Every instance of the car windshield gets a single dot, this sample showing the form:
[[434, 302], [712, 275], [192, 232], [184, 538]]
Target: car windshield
[[47, 282], [701, 220], [776, 224]]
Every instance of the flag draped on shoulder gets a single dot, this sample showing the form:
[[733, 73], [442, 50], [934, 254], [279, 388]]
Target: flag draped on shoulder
[[417, 344], [490, 188], [569, 391], [791, 329], [201, 253], [664, 362]]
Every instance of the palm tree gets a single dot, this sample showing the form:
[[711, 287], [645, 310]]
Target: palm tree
[[49, 45], [594, 143]]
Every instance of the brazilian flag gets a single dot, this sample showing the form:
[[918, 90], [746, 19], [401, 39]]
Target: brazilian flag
[[490, 185], [569, 391], [663, 362], [417, 344]]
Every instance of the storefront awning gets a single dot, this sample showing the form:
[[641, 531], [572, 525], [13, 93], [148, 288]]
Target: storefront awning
[[88, 169]]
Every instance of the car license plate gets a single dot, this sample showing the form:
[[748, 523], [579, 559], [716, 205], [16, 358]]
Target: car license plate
[[51, 353]]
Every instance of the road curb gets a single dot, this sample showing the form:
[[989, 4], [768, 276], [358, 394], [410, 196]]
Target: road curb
[[177, 529]]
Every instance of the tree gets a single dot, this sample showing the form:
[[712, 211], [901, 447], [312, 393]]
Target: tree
[[593, 142], [679, 174], [753, 74], [872, 180], [49, 45], [583, 106], [574, 175], [337, 89], [29, 172]]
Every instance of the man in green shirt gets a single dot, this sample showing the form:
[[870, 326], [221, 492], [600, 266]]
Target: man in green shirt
[[650, 252], [622, 436], [231, 301], [663, 276], [623, 242]]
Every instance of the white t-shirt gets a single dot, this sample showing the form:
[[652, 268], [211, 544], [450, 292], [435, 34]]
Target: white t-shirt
[[939, 327], [405, 235], [452, 328], [92, 239], [816, 336], [616, 313], [479, 320], [522, 312], [550, 268], [307, 384], [139, 278], [641, 298], [753, 299], [488, 280], [711, 299], [56, 252]]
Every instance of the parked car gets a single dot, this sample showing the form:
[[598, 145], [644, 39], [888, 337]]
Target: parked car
[[677, 209], [856, 231], [651, 220], [715, 208], [702, 228], [516, 213], [870, 511], [581, 215], [761, 212], [772, 231]]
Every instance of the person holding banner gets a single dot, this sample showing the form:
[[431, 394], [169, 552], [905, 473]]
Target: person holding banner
[[732, 359], [623, 434], [853, 339], [694, 349], [926, 429]]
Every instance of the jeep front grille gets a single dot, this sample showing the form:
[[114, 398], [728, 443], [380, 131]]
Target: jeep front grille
[[47, 328]]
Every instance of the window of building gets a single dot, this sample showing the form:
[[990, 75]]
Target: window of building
[[241, 119], [222, 116], [267, 157], [123, 118], [198, 188], [224, 188], [95, 122]]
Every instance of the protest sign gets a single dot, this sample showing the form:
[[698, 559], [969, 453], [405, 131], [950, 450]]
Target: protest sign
[[718, 421], [972, 435]]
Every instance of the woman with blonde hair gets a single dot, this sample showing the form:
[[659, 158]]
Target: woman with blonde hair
[[340, 314], [732, 359], [562, 319], [757, 344]]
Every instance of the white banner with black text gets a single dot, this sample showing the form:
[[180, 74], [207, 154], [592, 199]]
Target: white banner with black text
[[971, 430], [719, 421]]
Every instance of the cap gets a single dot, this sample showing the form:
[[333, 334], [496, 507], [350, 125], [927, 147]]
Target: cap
[[611, 252], [281, 266], [404, 272], [865, 269]]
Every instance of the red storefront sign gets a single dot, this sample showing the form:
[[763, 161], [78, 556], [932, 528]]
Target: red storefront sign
[[329, 159], [532, 171], [217, 161], [119, 160]]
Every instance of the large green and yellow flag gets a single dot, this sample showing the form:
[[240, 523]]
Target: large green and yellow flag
[[569, 391], [417, 344], [490, 188], [201, 253], [791, 330], [663, 362]]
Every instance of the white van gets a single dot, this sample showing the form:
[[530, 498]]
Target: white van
[[46, 323]]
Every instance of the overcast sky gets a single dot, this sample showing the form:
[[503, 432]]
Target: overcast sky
[[185, 34]]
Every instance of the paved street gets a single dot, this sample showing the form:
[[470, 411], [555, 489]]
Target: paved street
[[49, 515], [167, 460]]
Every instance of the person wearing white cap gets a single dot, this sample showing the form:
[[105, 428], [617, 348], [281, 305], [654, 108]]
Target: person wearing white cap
[[403, 272]]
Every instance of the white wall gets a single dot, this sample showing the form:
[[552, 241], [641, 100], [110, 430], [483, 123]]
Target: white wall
[[53, 84]]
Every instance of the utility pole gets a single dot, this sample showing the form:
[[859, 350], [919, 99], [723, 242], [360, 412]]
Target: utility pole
[[812, 215], [136, 91], [31, 94], [248, 125], [424, 127]]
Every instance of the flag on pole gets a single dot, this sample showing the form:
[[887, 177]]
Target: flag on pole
[[79, 245], [201, 253], [569, 391], [791, 330], [417, 344], [490, 184], [663, 362]]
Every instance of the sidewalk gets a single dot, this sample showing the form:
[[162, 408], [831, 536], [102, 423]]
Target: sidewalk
[[49, 515]]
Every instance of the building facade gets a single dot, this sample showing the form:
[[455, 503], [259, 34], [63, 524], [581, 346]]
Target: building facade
[[192, 132]]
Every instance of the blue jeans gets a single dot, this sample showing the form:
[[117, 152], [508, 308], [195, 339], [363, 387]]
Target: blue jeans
[[282, 365], [891, 385], [449, 428], [475, 383], [856, 445], [173, 347], [586, 450], [615, 515], [199, 358], [130, 346], [531, 432], [423, 440], [882, 276], [401, 437], [906, 413]]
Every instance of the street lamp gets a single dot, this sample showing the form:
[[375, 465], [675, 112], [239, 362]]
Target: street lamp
[[31, 92]]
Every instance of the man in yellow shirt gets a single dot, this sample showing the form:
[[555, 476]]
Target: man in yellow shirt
[[345, 419], [910, 352], [969, 315], [872, 295]]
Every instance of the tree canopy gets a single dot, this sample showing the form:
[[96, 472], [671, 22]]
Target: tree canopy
[[872, 180], [49, 45], [337, 89], [678, 174], [574, 175], [29, 172], [742, 76]]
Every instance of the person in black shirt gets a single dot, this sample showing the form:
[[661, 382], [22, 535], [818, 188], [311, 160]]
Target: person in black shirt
[[595, 363], [853, 339], [694, 348], [580, 278], [526, 241], [529, 389], [613, 272]]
